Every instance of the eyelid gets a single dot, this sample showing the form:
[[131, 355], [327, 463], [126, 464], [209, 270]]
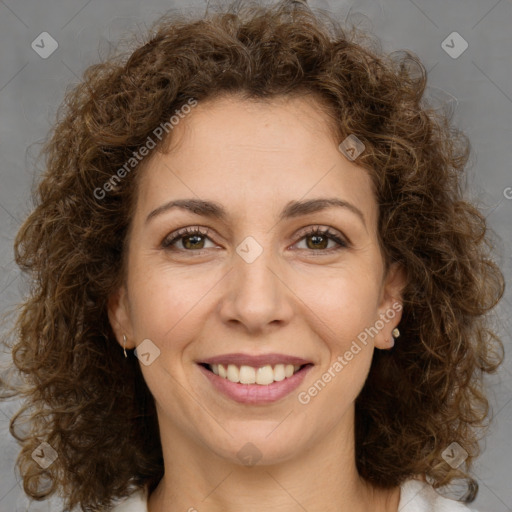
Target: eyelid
[[341, 241], [324, 230], [182, 232]]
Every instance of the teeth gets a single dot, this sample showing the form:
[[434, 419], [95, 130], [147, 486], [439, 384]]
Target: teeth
[[248, 375], [279, 373], [233, 373], [264, 375]]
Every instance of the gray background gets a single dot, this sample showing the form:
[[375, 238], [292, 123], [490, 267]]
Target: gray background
[[477, 84]]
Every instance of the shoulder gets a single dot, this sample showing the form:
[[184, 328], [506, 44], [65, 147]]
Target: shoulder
[[136, 502], [417, 496]]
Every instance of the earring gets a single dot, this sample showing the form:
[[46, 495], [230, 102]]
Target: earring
[[394, 334], [124, 345]]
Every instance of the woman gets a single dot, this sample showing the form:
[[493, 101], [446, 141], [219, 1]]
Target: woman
[[256, 284]]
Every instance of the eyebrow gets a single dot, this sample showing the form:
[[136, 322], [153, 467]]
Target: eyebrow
[[292, 209]]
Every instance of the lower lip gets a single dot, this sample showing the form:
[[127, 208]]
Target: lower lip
[[256, 393]]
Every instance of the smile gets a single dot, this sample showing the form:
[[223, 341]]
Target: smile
[[263, 376], [250, 385]]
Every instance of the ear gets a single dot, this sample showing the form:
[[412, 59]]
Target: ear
[[120, 318], [390, 305]]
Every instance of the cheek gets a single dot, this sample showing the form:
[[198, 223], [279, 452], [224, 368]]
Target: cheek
[[165, 303], [340, 315], [344, 303]]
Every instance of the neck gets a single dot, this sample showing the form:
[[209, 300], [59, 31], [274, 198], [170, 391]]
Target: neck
[[322, 477]]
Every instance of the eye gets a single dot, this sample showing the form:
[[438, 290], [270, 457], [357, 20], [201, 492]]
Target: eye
[[190, 239], [320, 238], [193, 239]]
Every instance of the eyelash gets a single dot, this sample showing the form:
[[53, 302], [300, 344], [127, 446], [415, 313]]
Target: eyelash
[[193, 231]]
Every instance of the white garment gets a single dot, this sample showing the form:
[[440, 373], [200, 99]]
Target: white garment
[[415, 496]]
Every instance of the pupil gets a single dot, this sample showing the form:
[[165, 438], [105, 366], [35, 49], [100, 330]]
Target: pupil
[[191, 237], [316, 237]]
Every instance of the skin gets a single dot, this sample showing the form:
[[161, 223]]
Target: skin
[[295, 298]]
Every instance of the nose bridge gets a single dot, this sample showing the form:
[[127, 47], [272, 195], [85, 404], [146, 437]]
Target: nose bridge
[[256, 295], [252, 265]]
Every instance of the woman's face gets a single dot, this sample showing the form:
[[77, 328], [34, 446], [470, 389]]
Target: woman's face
[[258, 283]]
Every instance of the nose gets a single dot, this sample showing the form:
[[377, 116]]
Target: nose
[[257, 297]]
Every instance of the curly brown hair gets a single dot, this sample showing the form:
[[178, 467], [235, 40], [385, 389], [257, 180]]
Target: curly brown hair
[[93, 406]]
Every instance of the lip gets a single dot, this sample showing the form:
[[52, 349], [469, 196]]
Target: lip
[[255, 393], [255, 361]]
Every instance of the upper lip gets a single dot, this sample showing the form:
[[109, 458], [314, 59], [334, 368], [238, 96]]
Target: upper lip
[[255, 361]]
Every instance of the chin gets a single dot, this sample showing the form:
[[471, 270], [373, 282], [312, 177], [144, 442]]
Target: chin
[[254, 446]]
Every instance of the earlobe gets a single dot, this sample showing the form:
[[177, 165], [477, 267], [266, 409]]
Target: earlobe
[[119, 317]]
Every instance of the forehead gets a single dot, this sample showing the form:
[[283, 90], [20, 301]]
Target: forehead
[[278, 123], [250, 151]]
